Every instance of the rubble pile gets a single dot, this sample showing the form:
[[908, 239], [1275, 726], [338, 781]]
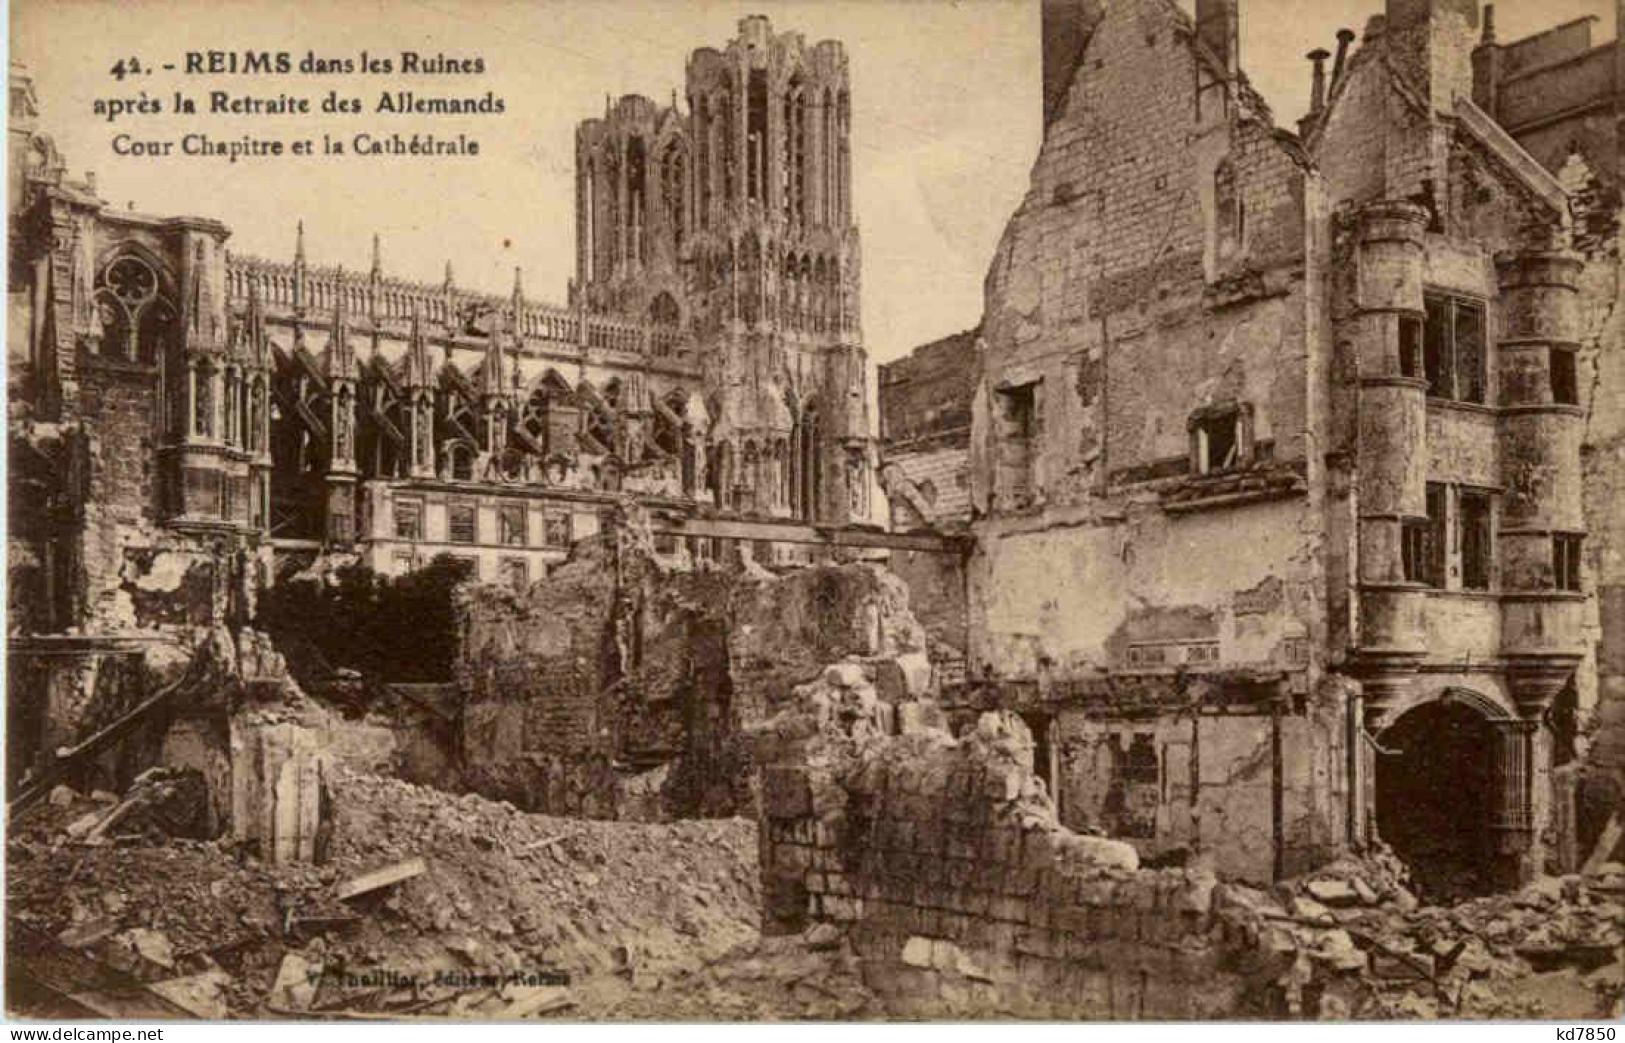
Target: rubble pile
[[1552, 949], [492, 900]]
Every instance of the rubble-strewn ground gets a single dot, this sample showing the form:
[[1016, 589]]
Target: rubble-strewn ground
[[1552, 949], [661, 922], [628, 910]]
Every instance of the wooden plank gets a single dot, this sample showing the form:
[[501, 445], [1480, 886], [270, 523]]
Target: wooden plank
[[101, 740], [799, 532], [544, 999], [547, 842], [379, 878]]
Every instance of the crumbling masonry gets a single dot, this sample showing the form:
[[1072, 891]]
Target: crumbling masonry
[[1293, 456]]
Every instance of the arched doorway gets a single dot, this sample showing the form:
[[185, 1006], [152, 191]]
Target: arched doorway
[[1442, 795]]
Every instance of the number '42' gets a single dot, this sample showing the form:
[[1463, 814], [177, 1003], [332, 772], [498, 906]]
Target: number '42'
[[126, 66]]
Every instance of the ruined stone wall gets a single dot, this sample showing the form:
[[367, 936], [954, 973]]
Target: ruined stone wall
[[532, 668], [1133, 300], [1082, 591], [617, 686], [943, 865], [1209, 780], [1601, 710], [929, 391]]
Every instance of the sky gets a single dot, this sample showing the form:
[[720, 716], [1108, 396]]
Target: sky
[[945, 122]]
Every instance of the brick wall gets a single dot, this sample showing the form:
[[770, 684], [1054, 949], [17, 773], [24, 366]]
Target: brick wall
[[929, 391]]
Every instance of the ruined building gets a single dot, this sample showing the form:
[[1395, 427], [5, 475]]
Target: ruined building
[[183, 415], [1294, 455]]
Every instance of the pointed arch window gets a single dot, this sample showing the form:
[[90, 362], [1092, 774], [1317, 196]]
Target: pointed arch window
[[133, 315], [637, 197], [674, 191], [830, 159], [702, 162], [756, 137], [792, 177]]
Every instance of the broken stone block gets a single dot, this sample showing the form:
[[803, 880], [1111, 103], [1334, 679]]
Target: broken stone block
[[278, 788], [82, 825], [916, 717], [1309, 911], [1336, 894], [62, 796], [296, 982], [970, 968], [904, 677], [822, 937], [1338, 951], [84, 935], [845, 675], [201, 994], [917, 952], [1100, 850], [1540, 892], [152, 946]]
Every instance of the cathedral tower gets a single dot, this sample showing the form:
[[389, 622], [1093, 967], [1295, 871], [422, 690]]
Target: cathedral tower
[[732, 223]]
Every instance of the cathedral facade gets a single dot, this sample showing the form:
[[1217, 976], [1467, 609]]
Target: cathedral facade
[[188, 421]]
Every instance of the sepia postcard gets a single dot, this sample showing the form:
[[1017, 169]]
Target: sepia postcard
[[773, 510]]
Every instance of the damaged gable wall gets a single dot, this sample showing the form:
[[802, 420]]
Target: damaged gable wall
[[1115, 300], [1141, 462]]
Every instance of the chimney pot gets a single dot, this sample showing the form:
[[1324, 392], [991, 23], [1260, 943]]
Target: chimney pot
[[1345, 37], [1317, 93]]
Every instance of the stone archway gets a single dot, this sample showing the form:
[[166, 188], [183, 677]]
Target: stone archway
[[1452, 794]]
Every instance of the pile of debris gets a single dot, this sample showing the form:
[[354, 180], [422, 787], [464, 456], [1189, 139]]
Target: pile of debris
[[428, 904], [1550, 949]]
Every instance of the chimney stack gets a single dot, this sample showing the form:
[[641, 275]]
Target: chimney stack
[[1066, 26], [1317, 92], [1218, 25], [1430, 42], [1487, 67]]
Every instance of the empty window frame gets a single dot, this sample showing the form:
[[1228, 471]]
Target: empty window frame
[[556, 530], [1433, 573], [1135, 789], [409, 519], [1018, 428], [1566, 561], [1474, 537], [511, 525], [1220, 439], [1453, 348], [461, 523], [1565, 378]]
